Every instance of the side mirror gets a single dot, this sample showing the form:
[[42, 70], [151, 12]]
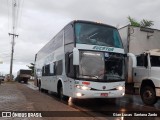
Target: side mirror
[[75, 56]]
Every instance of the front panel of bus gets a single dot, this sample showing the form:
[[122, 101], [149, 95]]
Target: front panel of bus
[[100, 73]]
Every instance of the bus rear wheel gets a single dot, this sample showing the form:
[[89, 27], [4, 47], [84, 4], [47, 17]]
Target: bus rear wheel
[[40, 89]]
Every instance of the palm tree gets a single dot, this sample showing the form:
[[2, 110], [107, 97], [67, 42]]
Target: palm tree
[[31, 66], [146, 23], [143, 23], [133, 22]]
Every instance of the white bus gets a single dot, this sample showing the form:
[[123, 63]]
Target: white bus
[[84, 60]]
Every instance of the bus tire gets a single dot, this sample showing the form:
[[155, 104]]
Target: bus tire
[[60, 94], [46, 91], [148, 95], [39, 86]]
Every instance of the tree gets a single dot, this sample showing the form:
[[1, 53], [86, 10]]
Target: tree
[[133, 22], [146, 23], [143, 23], [31, 66]]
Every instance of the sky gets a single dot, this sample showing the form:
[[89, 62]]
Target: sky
[[38, 21]]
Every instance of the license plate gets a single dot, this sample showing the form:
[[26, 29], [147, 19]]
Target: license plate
[[104, 94]]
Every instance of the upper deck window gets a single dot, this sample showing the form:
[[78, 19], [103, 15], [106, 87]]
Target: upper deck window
[[97, 34]]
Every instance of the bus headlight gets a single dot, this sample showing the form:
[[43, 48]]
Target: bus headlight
[[79, 94], [83, 87], [120, 88]]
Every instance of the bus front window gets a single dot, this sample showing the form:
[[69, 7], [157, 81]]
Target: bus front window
[[101, 66], [97, 34], [91, 63]]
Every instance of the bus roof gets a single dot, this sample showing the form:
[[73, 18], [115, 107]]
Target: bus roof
[[91, 22]]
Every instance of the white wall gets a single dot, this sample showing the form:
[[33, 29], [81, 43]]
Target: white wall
[[138, 39]]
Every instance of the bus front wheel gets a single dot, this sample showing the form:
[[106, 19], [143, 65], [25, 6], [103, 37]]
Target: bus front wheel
[[61, 95]]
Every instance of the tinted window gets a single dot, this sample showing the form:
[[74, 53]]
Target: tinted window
[[59, 67], [47, 70], [71, 67], [97, 34], [52, 69], [142, 60], [66, 62], [52, 45], [43, 71], [68, 48], [68, 34], [155, 61], [58, 40]]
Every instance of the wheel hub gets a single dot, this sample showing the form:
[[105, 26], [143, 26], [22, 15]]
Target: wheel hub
[[148, 94]]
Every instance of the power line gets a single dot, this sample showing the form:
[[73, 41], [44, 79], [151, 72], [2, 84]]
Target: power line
[[5, 51], [16, 6], [8, 13], [13, 15], [15, 20], [20, 12]]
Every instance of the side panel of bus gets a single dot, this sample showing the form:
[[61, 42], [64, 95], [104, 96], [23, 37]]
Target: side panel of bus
[[53, 63]]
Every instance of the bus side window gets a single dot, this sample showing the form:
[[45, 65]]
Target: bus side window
[[59, 67], [43, 71], [58, 40], [66, 63], [68, 34], [70, 66], [47, 70], [52, 69]]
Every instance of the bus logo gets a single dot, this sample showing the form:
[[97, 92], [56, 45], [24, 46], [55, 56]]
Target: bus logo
[[103, 48], [104, 87]]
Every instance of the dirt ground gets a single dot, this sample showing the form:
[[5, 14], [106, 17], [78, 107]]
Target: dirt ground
[[19, 97]]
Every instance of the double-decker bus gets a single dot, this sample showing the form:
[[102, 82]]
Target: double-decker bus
[[84, 60]]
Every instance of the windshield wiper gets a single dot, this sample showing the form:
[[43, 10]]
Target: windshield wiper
[[109, 76], [113, 76], [92, 35], [102, 74]]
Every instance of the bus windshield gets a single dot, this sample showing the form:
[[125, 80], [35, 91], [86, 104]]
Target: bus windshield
[[97, 34], [100, 66]]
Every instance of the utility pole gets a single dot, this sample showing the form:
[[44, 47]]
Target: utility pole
[[12, 51]]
